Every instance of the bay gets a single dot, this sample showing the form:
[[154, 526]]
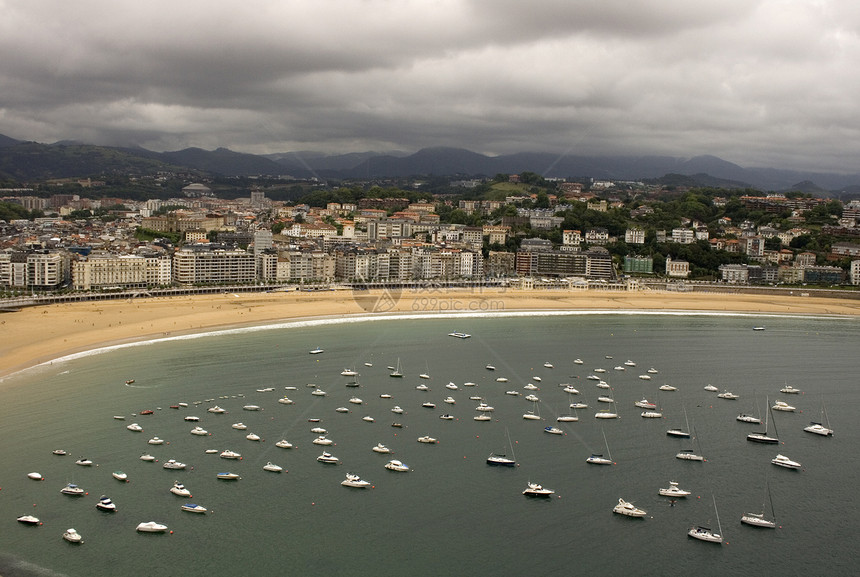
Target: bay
[[452, 513]]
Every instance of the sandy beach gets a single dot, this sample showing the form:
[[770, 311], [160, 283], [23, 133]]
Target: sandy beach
[[39, 334]]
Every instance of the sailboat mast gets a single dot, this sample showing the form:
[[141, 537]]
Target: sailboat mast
[[719, 526], [605, 442]]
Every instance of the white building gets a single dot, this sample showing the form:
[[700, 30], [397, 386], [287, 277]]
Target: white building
[[677, 268], [212, 264], [854, 272], [634, 236], [683, 235]]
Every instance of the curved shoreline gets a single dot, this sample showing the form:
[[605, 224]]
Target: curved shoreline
[[34, 336]]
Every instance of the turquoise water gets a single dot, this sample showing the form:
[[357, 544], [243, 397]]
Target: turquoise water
[[452, 513]]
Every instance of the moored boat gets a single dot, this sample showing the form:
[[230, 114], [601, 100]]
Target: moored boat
[[355, 482], [73, 536], [151, 527], [536, 490], [192, 508], [628, 509], [105, 504]]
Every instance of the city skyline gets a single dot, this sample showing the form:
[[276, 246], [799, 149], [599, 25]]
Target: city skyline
[[763, 83]]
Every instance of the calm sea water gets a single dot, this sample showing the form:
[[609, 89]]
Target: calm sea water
[[452, 514]]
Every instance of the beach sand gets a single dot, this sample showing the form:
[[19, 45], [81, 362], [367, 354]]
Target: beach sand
[[36, 335]]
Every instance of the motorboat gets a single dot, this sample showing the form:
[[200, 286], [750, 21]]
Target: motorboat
[[744, 418], [341, 410], [266, 390], [711, 388], [484, 408], [147, 457], [105, 504], [482, 417], [290, 388], [450, 401], [476, 398], [667, 388], [314, 420], [689, 455], [502, 380], [151, 527], [327, 458], [783, 406], [397, 410], [593, 378], [59, 452], [459, 335], [173, 464], [84, 462], [513, 393], [536, 379], [629, 363], [783, 461], [319, 431], [428, 405], [424, 376], [119, 417], [28, 520], [652, 371], [355, 482], [253, 437], [578, 362], [199, 431], [192, 418], [228, 454], [147, 412], [284, 444], [645, 404], [349, 373], [318, 393], [758, 328], [789, 390], [180, 490], [674, 491], [728, 395], [548, 365], [271, 467], [367, 419], [427, 439], [216, 410], [619, 368], [228, 476], [355, 401], [818, 429], [599, 370], [536, 490], [35, 476], [286, 401], [651, 415], [395, 465], [322, 440], [553, 431], [192, 508], [601, 384], [380, 448], [625, 508], [446, 417], [578, 405], [384, 396], [397, 425], [72, 490], [156, 441], [120, 476], [316, 351], [422, 387], [134, 427], [570, 390], [532, 398], [211, 451], [451, 386], [73, 536]]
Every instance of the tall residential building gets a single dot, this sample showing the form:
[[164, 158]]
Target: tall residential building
[[213, 264], [109, 270]]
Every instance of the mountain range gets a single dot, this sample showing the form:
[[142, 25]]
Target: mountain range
[[24, 161]]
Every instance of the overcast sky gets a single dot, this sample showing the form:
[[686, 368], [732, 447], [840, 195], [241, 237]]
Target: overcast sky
[[757, 82]]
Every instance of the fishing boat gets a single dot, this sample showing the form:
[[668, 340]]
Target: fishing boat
[[764, 437], [705, 533], [759, 519]]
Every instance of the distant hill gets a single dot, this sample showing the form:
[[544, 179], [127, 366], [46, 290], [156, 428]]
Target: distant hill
[[27, 161]]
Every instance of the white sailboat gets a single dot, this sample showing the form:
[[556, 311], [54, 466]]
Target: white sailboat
[[758, 519], [397, 373], [689, 455], [598, 458], [819, 428], [683, 433], [534, 414], [764, 437], [706, 534], [501, 459]]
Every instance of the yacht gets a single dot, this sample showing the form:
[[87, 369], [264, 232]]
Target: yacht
[[60, 452], [482, 417], [367, 419], [179, 490], [668, 388], [553, 431], [536, 379], [380, 448], [548, 365], [397, 410], [532, 398], [395, 465], [272, 467], [284, 444], [192, 508], [73, 536], [285, 401], [652, 371], [135, 428], [446, 417], [318, 393], [570, 390], [151, 527], [349, 373], [602, 384], [450, 401], [783, 461], [355, 401], [72, 490], [319, 431], [216, 410], [818, 429], [485, 408], [711, 388], [578, 362], [199, 431], [459, 335], [316, 351], [727, 395], [355, 482], [429, 405], [327, 458], [252, 437], [645, 404], [490, 367], [502, 380], [451, 386], [84, 462], [531, 387], [28, 520], [629, 363], [192, 418], [783, 406], [628, 509], [156, 441], [789, 390], [228, 454], [427, 439], [619, 368], [341, 410], [322, 440], [147, 457], [674, 491], [227, 476], [120, 476], [105, 504], [422, 387], [599, 370], [535, 490]]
